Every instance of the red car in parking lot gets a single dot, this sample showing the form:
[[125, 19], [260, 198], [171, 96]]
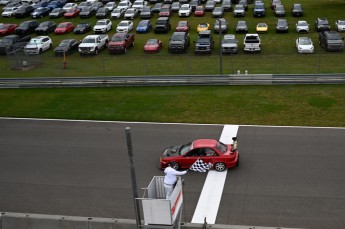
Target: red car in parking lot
[[7, 29], [71, 13], [220, 155], [183, 26], [199, 11], [64, 27], [153, 46]]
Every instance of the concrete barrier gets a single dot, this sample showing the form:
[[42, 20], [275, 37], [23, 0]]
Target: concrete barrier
[[10, 220]]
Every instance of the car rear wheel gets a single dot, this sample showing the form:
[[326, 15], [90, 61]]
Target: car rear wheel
[[220, 166]]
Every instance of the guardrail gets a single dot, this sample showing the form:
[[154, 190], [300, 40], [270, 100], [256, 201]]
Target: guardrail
[[169, 80]]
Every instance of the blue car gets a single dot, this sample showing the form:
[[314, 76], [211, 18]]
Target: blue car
[[40, 12], [144, 26], [56, 4], [43, 3]]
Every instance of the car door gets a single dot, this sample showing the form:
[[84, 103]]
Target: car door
[[190, 157], [45, 43]]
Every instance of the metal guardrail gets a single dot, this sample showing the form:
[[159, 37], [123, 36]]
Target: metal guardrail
[[168, 80]]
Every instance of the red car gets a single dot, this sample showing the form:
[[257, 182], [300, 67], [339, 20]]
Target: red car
[[220, 155], [199, 11], [153, 46], [71, 13], [183, 26], [7, 29], [64, 27]]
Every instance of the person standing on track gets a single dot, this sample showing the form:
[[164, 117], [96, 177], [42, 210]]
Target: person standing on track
[[170, 179]]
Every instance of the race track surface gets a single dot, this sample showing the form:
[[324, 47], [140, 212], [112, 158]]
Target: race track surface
[[288, 176]]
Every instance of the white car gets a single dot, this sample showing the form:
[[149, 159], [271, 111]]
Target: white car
[[8, 12], [110, 5], [124, 26], [139, 4], [118, 13], [185, 10], [69, 5], [302, 27], [340, 25], [124, 5], [38, 45], [131, 13], [304, 45], [103, 26]]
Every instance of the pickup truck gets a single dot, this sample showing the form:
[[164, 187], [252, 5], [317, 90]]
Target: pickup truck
[[93, 44], [252, 43], [179, 42], [204, 43], [120, 43], [12, 42]]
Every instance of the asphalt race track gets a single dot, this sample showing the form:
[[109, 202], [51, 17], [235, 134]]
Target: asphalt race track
[[288, 176]]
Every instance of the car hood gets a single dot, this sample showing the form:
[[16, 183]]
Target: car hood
[[176, 42], [61, 48], [171, 151]]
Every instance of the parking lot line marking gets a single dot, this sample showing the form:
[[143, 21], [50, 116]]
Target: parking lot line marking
[[211, 193]]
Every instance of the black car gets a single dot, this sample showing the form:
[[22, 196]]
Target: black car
[[82, 28], [102, 12], [66, 47], [26, 27], [157, 7], [297, 10], [45, 27], [322, 24], [226, 5], [57, 12], [279, 11], [244, 3], [241, 27], [24, 11], [146, 12], [282, 26], [194, 4], [87, 12], [96, 6]]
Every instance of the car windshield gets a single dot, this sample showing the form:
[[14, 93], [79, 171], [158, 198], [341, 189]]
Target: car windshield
[[117, 38], [323, 22], [44, 24], [123, 4], [130, 11], [199, 8], [116, 10], [304, 41], [222, 147], [177, 38], [56, 10], [123, 24], [239, 7], [241, 24], [152, 42], [302, 23], [185, 148], [101, 23], [4, 26], [203, 25], [34, 41], [341, 22], [182, 23], [142, 24], [184, 8], [70, 10], [89, 40], [62, 26]]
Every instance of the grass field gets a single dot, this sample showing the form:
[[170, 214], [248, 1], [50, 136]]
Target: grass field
[[313, 105], [278, 53]]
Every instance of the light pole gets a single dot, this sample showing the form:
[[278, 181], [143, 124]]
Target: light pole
[[220, 48]]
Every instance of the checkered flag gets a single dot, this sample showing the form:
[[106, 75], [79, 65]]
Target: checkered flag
[[200, 166]]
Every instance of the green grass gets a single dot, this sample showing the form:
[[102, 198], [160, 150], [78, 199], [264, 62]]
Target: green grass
[[313, 105], [278, 55]]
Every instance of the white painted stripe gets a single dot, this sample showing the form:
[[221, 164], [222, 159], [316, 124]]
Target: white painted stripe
[[211, 193]]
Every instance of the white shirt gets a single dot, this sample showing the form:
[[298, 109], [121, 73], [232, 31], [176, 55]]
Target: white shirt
[[170, 175]]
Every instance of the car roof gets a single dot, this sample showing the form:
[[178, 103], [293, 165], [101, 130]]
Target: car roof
[[205, 143]]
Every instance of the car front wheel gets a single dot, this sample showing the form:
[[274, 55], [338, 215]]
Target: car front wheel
[[220, 166]]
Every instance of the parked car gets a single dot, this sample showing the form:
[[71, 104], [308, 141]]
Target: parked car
[[217, 12], [304, 45], [229, 44], [93, 44], [45, 27], [282, 26], [103, 26], [71, 13], [165, 11], [153, 45], [56, 4], [26, 27], [124, 5], [120, 43], [175, 6], [157, 7], [297, 10], [96, 5], [241, 27], [209, 6], [24, 11], [252, 43], [40, 12], [340, 25], [274, 3], [162, 25], [66, 47], [87, 12], [279, 11], [82, 28], [102, 12], [239, 10], [199, 11], [57, 12], [139, 4], [7, 29], [131, 14], [226, 5], [302, 27], [194, 4], [259, 9], [179, 42], [124, 26], [244, 3], [9, 12], [84, 4], [118, 13], [185, 10], [220, 155], [110, 6], [146, 12], [64, 27], [183, 26], [144, 26], [322, 24], [331, 41], [202, 27], [70, 5], [261, 27], [38, 45], [220, 25]]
